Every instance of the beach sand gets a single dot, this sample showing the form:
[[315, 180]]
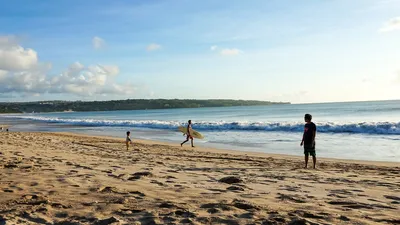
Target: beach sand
[[59, 178]]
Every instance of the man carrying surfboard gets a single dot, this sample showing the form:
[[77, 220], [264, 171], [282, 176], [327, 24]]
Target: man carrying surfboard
[[188, 134]]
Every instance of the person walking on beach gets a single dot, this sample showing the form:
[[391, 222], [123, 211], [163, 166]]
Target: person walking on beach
[[188, 134], [128, 140], [308, 141]]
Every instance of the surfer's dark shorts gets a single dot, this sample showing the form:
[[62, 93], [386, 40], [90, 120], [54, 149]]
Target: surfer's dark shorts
[[309, 149]]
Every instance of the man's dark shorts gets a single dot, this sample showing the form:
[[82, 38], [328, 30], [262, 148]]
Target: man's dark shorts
[[309, 149]]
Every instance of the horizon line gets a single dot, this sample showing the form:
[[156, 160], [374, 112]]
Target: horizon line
[[188, 99]]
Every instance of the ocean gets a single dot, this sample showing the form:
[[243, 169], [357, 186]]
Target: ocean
[[352, 130]]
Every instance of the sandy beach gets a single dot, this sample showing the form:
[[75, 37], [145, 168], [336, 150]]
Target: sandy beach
[[61, 178]]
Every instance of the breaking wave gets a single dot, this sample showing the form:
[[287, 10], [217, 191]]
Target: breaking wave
[[385, 128]]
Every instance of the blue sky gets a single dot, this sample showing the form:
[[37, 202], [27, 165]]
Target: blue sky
[[278, 50]]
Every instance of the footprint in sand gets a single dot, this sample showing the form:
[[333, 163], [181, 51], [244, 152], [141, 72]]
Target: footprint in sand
[[167, 205], [359, 205], [249, 195], [168, 220], [61, 215], [62, 179], [213, 211], [52, 192], [16, 187], [106, 189], [185, 213], [235, 188], [216, 220], [290, 188], [248, 215], [396, 200], [147, 218], [158, 183], [139, 175], [57, 160], [34, 218], [60, 206], [291, 198], [220, 205], [309, 215], [34, 184], [340, 193]]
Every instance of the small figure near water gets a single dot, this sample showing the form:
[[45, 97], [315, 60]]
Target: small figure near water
[[310, 130], [128, 140], [188, 134]]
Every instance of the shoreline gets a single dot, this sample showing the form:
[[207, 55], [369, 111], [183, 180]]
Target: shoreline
[[229, 151], [220, 149], [349, 140], [67, 178]]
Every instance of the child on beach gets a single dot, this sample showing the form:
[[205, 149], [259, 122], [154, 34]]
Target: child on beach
[[128, 140], [308, 141], [188, 135]]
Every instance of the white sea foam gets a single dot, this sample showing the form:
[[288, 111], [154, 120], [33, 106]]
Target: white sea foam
[[385, 128]]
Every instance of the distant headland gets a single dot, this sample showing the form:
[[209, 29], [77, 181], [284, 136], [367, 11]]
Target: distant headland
[[129, 104]]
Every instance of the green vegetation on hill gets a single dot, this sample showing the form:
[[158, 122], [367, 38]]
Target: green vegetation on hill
[[130, 104]]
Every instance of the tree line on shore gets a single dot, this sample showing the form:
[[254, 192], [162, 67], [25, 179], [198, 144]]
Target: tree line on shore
[[129, 104]]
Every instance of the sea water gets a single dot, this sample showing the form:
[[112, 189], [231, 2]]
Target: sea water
[[353, 130]]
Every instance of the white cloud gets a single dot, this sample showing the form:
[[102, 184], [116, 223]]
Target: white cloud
[[21, 74], [213, 48], [230, 51], [90, 80], [14, 57], [76, 66], [153, 47], [24, 82], [391, 25], [109, 70], [98, 43]]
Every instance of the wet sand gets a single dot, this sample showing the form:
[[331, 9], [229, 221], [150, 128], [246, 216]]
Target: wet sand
[[59, 178]]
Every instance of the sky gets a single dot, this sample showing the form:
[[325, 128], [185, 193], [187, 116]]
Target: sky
[[276, 50]]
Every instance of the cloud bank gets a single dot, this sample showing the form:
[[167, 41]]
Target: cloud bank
[[21, 73]]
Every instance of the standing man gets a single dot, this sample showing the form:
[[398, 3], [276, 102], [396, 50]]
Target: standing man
[[308, 141], [188, 133]]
